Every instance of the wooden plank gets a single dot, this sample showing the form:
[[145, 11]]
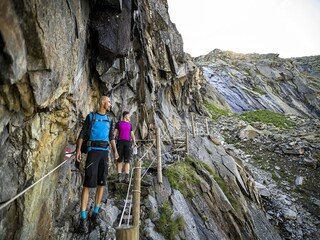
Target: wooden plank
[[127, 233], [158, 145], [178, 138], [192, 125], [187, 142], [207, 126], [179, 149], [136, 194]]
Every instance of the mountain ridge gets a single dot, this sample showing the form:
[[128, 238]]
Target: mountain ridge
[[264, 81]]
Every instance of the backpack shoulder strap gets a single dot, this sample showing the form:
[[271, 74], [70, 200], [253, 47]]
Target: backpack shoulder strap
[[91, 122]]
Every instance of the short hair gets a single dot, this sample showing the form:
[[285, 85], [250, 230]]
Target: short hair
[[124, 113]]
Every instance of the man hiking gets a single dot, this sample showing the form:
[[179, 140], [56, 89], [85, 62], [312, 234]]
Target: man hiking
[[96, 167], [124, 133]]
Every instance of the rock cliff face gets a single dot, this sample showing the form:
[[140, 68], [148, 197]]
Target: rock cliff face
[[252, 81], [44, 91], [57, 58]]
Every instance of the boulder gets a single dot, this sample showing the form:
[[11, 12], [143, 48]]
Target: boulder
[[290, 214], [292, 151], [248, 132]]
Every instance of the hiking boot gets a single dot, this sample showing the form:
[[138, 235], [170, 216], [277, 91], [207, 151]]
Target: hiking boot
[[83, 226], [94, 219], [120, 180], [127, 178]]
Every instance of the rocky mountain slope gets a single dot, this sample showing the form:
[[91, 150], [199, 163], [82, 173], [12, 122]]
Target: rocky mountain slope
[[264, 81], [278, 139], [58, 57], [285, 165]]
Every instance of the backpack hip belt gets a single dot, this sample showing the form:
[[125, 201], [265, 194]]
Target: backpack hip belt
[[103, 144]]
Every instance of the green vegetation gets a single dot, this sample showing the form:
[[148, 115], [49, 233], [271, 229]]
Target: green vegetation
[[152, 213], [317, 155], [146, 163], [204, 217], [224, 187], [260, 91], [167, 225], [120, 194], [265, 116], [182, 177], [215, 111], [231, 139], [271, 85]]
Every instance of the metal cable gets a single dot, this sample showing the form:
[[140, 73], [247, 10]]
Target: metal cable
[[156, 158], [129, 185], [28, 188]]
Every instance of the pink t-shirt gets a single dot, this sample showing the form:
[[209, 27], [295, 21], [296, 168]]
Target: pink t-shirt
[[124, 129]]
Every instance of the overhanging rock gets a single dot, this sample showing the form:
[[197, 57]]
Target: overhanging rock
[[114, 4], [111, 30]]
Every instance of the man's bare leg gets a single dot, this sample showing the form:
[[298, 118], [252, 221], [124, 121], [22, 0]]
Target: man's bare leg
[[99, 194], [127, 168], [84, 198]]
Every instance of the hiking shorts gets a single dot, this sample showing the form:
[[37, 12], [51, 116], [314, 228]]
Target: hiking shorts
[[96, 170], [124, 150]]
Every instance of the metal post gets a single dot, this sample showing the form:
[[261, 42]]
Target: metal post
[[187, 142], [158, 145], [207, 126]]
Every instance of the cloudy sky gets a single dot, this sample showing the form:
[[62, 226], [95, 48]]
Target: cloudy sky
[[288, 27]]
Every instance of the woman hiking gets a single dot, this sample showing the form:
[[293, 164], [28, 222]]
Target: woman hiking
[[124, 134]]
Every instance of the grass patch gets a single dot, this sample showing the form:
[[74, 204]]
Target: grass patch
[[120, 194], [274, 177], [234, 202], [152, 214], [204, 217], [182, 177], [224, 187], [265, 116], [215, 111], [227, 191], [317, 155], [146, 163], [168, 226], [260, 91], [231, 139]]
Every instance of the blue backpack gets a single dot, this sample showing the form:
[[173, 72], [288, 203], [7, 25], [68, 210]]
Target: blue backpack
[[97, 136], [84, 146]]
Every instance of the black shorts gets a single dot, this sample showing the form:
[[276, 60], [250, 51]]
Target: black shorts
[[124, 150], [96, 170]]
